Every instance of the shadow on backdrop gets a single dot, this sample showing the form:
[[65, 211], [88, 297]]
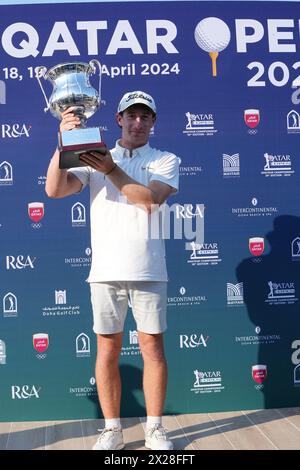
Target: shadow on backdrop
[[271, 285]]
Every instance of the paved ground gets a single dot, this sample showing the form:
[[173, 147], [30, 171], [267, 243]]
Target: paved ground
[[275, 429]]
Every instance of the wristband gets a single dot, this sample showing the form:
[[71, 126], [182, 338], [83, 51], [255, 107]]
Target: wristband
[[110, 171]]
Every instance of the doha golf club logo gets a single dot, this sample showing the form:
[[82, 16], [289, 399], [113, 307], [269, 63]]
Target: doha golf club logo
[[213, 36]]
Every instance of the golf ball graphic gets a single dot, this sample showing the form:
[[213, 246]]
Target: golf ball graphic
[[213, 36]]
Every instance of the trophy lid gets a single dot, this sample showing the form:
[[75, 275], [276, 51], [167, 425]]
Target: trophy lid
[[67, 67]]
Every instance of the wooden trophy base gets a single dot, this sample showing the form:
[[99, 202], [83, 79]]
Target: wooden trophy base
[[71, 144]]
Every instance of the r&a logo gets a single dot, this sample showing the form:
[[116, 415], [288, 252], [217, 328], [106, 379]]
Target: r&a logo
[[14, 131], [193, 341], [19, 262], [24, 391], [187, 211]]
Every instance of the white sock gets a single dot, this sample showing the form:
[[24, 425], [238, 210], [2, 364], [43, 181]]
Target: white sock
[[153, 420], [113, 422]]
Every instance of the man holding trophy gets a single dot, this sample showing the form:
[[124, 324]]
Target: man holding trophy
[[127, 186]]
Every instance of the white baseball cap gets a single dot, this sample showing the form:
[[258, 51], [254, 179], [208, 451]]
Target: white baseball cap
[[136, 97]]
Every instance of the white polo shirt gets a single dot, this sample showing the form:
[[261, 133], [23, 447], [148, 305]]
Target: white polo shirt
[[126, 241]]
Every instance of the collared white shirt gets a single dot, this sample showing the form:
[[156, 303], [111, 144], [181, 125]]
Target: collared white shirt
[[126, 241]]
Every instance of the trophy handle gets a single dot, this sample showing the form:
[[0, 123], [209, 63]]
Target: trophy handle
[[93, 64], [42, 69]]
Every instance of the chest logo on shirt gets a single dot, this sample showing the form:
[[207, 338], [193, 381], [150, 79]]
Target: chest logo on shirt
[[148, 167]]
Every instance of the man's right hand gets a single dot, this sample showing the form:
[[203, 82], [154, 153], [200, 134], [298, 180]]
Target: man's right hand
[[69, 120]]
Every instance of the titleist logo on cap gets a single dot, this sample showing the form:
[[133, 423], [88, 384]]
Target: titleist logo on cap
[[134, 96]]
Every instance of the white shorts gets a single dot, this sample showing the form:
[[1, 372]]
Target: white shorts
[[110, 300]]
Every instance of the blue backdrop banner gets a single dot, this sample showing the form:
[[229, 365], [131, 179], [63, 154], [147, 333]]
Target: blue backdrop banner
[[226, 80]]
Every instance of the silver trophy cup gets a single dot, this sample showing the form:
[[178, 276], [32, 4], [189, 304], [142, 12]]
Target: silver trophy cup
[[71, 87]]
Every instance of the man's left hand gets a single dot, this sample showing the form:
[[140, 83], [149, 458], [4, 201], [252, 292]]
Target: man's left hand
[[100, 161]]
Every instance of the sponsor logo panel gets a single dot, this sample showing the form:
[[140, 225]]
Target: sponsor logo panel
[[207, 381]]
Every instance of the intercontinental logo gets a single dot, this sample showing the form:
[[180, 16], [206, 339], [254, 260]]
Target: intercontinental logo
[[189, 170], [209, 381], [199, 125], [277, 165], [254, 210], [183, 299], [87, 390], [231, 165], [204, 254], [257, 338], [281, 293], [80, 261]]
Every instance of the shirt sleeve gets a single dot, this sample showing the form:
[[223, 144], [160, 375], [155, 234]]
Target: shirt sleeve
[[83, 174], [167, 171]]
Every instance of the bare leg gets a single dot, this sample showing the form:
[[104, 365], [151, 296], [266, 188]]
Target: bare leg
[[155, 372], [108, 374]]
